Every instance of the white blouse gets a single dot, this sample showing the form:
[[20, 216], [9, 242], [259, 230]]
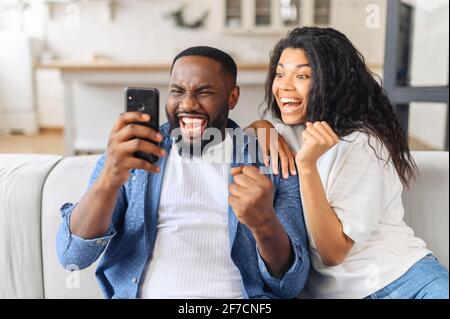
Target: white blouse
[[365, 192]]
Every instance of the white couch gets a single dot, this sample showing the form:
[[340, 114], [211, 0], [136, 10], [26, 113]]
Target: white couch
[[33, 188]]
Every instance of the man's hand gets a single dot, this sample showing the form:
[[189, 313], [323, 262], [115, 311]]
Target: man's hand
[[251, 198], [125, 139], [91, 218]]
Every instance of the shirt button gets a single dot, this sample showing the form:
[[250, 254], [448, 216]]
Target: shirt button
[[133, 178], [135, 280]]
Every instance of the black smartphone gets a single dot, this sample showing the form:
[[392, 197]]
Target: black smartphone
[[144, 100]]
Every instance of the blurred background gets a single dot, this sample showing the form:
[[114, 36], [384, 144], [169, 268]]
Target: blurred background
[[64, 64]]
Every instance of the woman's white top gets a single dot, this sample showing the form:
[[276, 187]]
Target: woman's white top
[[365, 193]]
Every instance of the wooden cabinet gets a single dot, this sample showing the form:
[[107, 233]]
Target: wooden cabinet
[[273, 16]]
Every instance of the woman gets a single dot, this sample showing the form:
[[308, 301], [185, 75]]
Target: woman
[[352, 159]]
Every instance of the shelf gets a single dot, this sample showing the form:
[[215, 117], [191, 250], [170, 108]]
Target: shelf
[[108, 5]]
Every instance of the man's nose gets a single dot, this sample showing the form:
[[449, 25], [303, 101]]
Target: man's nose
[[189, 103]]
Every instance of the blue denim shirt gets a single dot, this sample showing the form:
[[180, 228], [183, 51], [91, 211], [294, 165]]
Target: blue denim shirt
[[128, 244]]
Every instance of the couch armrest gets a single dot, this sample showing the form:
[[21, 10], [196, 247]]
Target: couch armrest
[[22, 177]]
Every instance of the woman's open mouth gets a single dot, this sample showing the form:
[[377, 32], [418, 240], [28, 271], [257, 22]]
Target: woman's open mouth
[[192, 126], [290, 105]]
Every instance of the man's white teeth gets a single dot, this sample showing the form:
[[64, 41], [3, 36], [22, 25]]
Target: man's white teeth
[[192, 121], [287, 100]]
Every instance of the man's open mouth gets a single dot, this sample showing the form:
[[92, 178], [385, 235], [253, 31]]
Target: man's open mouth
[[290, 105], [192, 125]]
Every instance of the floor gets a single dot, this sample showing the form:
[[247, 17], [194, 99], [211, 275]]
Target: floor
[[46, 142]]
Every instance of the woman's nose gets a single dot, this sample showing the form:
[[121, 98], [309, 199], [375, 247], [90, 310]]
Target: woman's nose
[[286, 84]]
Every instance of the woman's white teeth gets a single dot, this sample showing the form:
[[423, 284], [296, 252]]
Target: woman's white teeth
[[288, 100]]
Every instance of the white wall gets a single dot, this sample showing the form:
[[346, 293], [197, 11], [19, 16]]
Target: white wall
[[364, 23], [429, 65], [139, 32], [17, 99]]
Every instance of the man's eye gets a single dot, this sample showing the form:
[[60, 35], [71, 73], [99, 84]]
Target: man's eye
[[176, 91], [279, 75], [302, 76], [205, 92]]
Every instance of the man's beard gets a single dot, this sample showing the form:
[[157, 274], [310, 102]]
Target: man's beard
[[194, 147]]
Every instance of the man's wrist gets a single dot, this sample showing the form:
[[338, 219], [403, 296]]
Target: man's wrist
[[268, 230], [103, 184]]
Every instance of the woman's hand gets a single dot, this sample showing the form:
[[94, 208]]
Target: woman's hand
[[317, 139], [274, 146]]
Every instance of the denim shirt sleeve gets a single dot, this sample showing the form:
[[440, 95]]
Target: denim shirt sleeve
[[74, 252], [289, 211]]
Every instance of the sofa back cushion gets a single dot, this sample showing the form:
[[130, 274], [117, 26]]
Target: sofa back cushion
[[67, 183], [426, 202]]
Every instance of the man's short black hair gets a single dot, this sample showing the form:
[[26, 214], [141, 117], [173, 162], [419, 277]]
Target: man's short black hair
[[227, 62]]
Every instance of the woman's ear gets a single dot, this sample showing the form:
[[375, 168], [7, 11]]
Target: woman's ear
[[234, 97]]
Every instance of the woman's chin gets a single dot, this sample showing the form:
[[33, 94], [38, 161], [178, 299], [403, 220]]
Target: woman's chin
[[291, 120]]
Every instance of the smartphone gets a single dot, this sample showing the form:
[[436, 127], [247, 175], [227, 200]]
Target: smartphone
[[144, 100]]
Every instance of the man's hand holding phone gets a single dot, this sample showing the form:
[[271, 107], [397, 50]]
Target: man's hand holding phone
[[126, 138]]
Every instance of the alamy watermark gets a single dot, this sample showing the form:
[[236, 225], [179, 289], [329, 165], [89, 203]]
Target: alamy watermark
[[212, 147]]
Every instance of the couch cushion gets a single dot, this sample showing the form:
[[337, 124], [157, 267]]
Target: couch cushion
[[426, 203], [67, 183], [22, 177]]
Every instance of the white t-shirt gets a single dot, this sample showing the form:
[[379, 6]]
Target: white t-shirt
[[191, 256], [366, 194]]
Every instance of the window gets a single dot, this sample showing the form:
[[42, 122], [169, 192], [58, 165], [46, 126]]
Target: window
[[262, 12], [264, 17], [233, 13], [322, 12], [416, 67]]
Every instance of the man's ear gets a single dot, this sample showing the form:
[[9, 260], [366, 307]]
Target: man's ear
[[234, 97]]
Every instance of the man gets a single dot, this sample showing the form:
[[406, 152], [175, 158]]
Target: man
[[188, 227]]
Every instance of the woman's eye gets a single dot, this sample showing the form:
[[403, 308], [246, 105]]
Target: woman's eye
[[278, 75], [302, 76]]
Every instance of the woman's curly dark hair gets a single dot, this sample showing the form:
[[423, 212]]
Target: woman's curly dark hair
[[344, 93]]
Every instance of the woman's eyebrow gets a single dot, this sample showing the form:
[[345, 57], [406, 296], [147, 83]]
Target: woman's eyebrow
[[298, 66]]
